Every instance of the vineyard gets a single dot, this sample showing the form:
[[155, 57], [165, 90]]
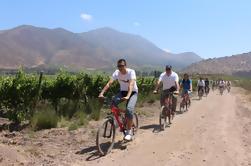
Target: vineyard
[[23, 96]]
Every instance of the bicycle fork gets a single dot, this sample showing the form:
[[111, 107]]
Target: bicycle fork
[[108, 134]]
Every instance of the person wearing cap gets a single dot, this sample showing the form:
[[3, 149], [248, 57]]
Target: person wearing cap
[[170, 81]]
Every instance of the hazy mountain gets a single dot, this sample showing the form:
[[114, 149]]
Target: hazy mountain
[[236, 64], [31, 46]]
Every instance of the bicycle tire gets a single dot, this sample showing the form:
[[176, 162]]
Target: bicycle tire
[[105, 148], [162, 119]]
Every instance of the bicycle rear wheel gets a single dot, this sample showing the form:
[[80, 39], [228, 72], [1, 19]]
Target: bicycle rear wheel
[[162, 118], [200, 95], [106, 136]]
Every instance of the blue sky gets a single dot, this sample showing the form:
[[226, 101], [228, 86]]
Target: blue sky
[[210, 28]]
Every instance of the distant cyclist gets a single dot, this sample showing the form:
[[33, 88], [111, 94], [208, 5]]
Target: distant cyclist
[[213, 85], [228, 84], [201, 85], [128, 91], [186, 85], [170, 81], [207, 88], [221, 86]]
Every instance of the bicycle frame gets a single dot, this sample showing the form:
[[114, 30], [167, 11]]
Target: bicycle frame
[[185, 98], [168, 101], [116, 113]]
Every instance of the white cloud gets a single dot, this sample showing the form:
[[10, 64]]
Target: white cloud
[[136, 24], [167, 50], [86, 17]]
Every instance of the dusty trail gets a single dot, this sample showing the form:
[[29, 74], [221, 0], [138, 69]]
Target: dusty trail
[[216, 131]]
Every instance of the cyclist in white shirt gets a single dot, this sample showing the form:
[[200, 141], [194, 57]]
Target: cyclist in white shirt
[[170, 81], [201, 85], [128, 91], [222, 84]]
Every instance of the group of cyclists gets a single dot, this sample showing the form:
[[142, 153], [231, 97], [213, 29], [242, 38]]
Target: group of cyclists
[[222, 85], [170, 84]]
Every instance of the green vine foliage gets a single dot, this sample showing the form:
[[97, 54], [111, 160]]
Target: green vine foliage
[[19, 94]]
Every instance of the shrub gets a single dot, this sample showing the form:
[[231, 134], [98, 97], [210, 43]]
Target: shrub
[[44, 119]]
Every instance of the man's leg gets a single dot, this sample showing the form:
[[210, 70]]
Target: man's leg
[[130, 109], [129, 114], [117, 99]]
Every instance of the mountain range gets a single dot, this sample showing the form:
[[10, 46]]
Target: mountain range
[[32, 47], [239, 64]]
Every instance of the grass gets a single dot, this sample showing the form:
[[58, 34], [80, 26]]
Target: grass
[[63, 122], [94, 109], [44, 119], [79, 119], [147, 98]]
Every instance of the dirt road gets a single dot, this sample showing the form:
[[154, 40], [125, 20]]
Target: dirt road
[[216, 131]]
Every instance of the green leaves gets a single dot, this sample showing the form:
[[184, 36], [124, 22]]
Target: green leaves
[[19, 93]]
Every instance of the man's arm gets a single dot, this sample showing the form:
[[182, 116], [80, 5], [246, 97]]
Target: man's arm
[[157, 86], [177, 86], [106, 88], [131, 85], [191, 86]]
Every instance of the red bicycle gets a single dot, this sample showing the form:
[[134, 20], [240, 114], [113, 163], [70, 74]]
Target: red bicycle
[[107, 131], [166, 109], [185, 103]]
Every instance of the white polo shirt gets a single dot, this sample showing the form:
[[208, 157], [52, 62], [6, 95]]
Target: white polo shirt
[[125, 78], [169, 81], [201, 83]]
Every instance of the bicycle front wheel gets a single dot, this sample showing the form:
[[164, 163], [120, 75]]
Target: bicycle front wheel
[[182, 107], [106, 136], [162, 118]]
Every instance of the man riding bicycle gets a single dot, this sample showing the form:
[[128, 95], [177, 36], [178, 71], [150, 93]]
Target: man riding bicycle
[[228, 84], [201, 85], [170, 81], [213, 85], [222, 84], [207, 88], [186, 85], [128, 91]]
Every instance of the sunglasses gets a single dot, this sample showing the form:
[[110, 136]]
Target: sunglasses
[[119, 66]]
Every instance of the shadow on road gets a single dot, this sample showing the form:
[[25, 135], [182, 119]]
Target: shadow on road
[[94, 154], [155, 128]]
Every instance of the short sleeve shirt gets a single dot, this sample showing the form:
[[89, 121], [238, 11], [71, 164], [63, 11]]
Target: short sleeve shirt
[[186, 84], [169, 81], [125, 78]]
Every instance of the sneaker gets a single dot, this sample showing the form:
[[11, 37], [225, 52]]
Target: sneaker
[[128, 137]]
